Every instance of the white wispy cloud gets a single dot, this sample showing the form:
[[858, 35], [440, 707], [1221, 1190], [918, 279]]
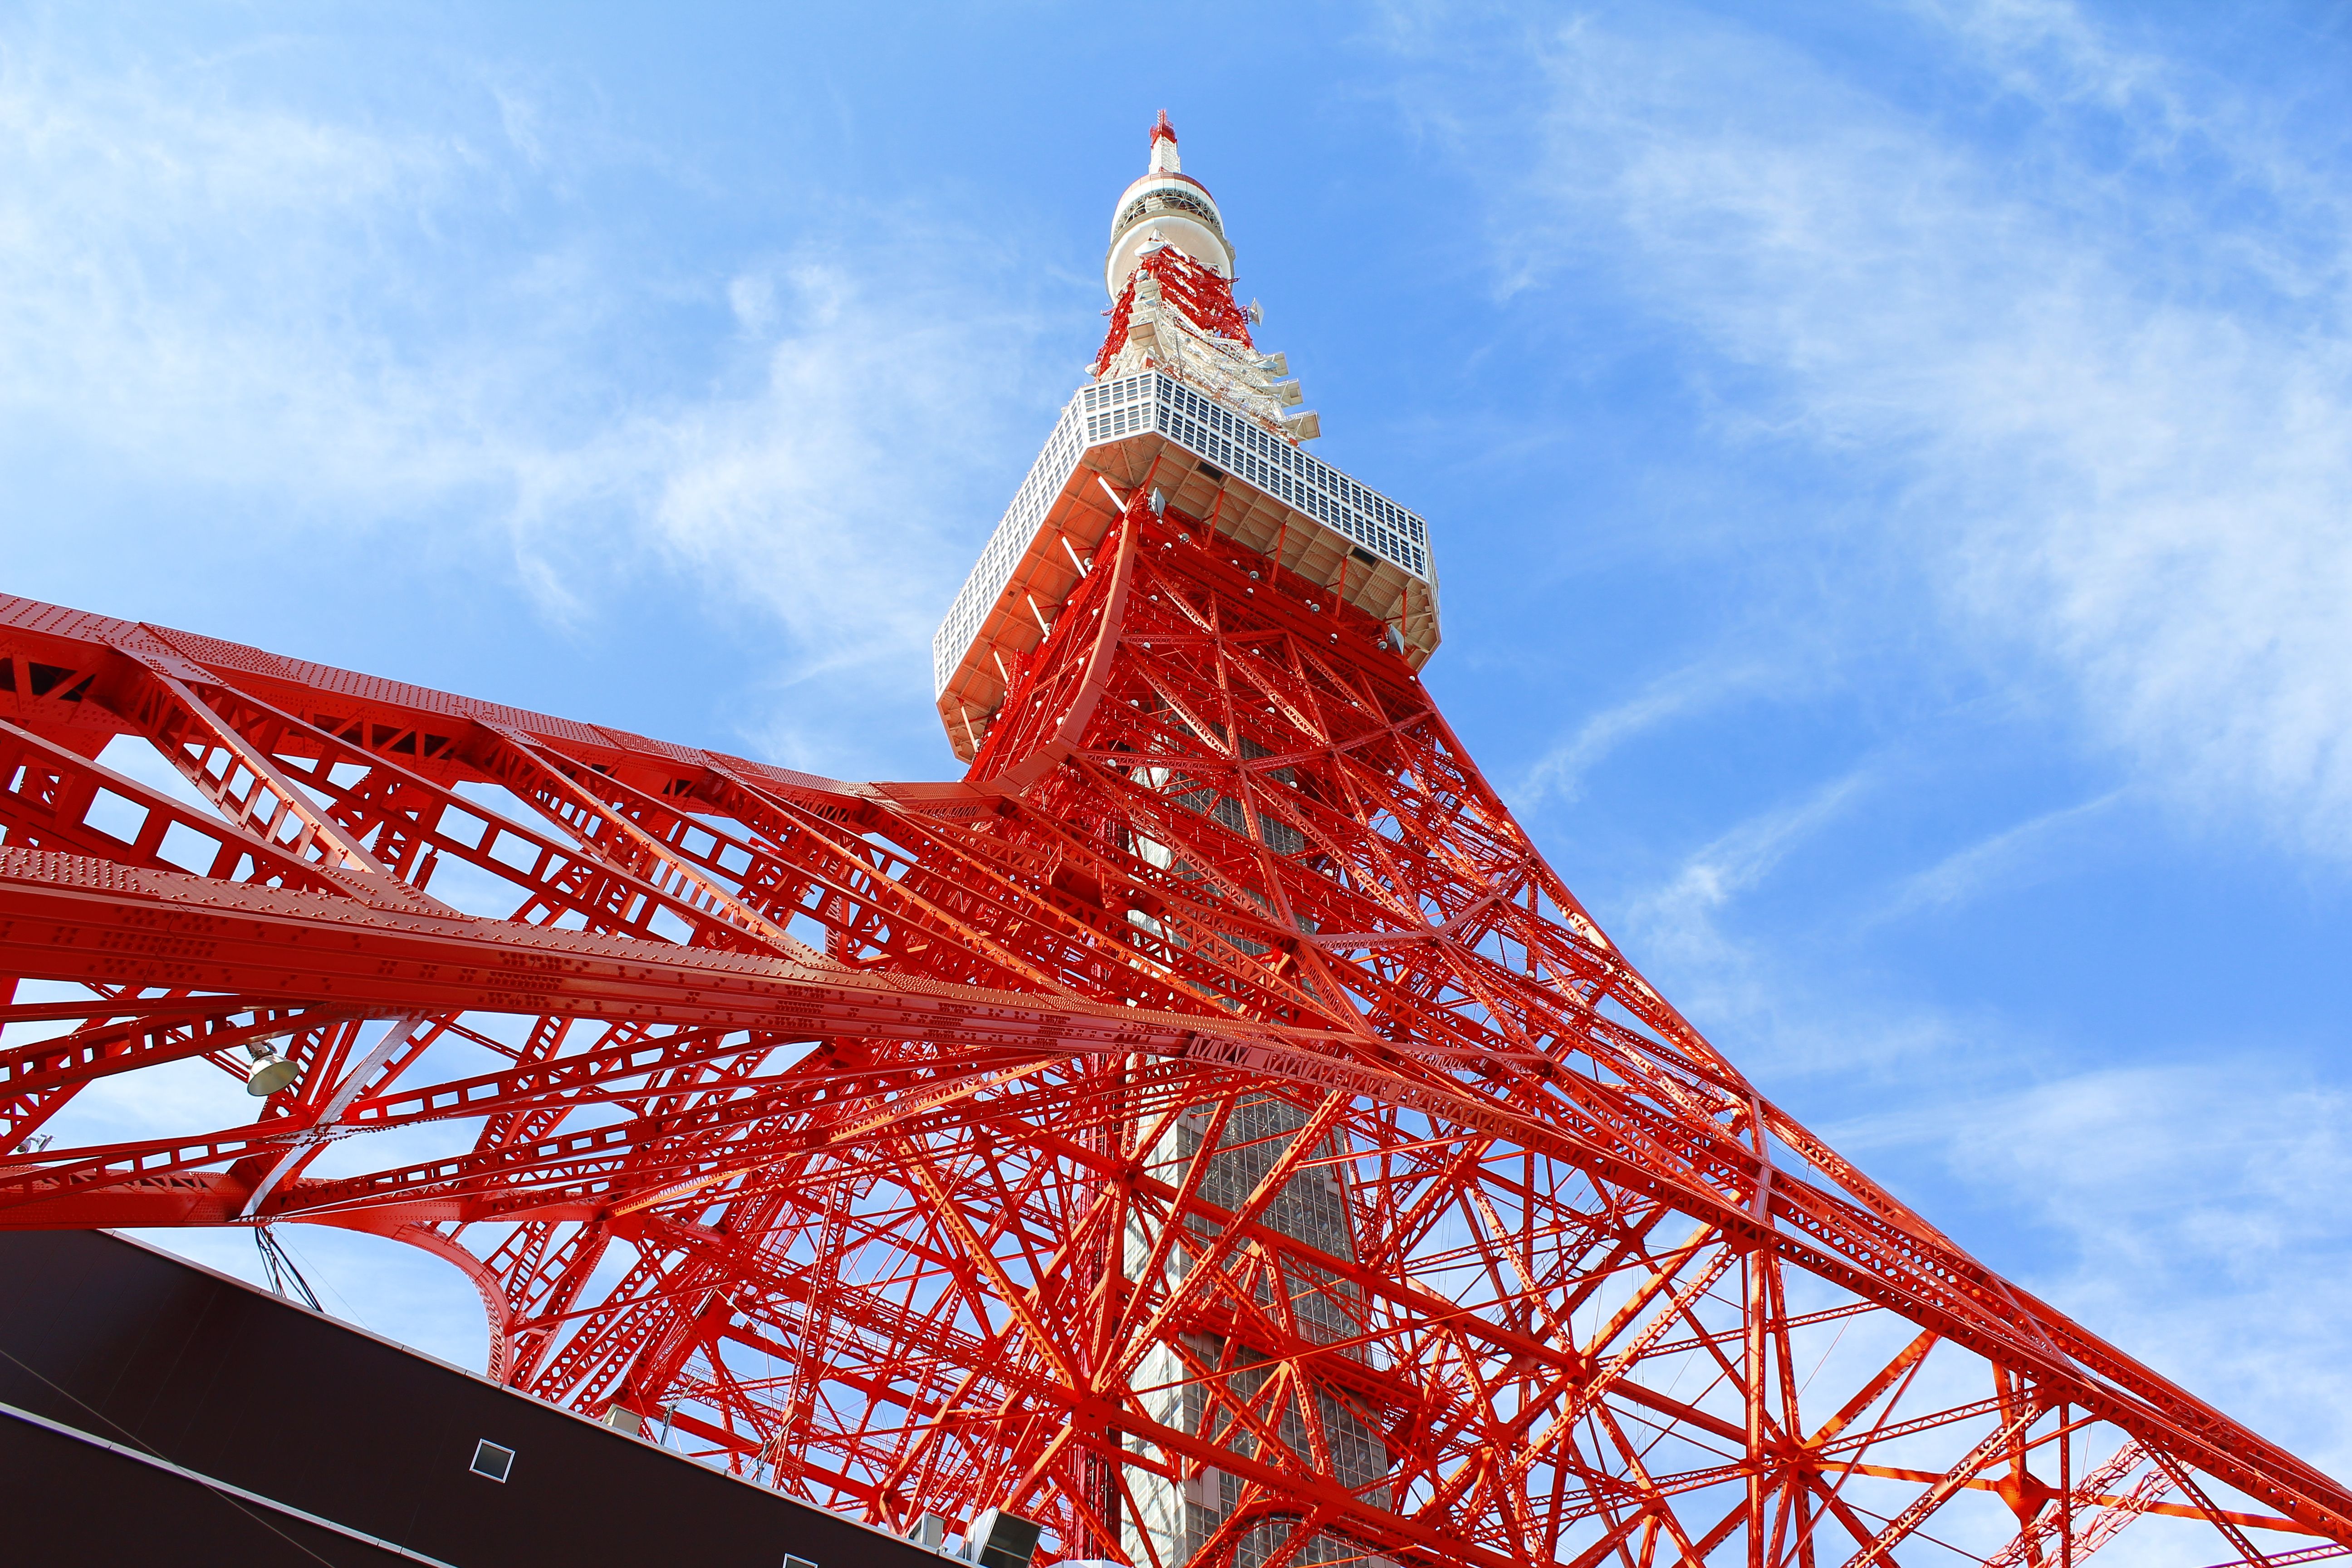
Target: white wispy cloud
[[2197, 1212], [2018, 855], [806, 486], [407, 328], [1770, 1014], [213, 287], [833, 492], [2106, 362], [1741, 858], [1558, 775]]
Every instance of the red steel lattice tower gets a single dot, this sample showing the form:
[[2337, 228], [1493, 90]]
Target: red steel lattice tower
[[1209, 1128]]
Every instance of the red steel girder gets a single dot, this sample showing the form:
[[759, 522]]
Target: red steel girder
[[1213, 1097]]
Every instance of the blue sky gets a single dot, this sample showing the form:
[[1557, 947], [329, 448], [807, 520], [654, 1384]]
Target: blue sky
[[1890, 469]]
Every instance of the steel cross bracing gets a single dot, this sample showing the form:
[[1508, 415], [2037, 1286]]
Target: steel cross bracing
[[1210, 1128]]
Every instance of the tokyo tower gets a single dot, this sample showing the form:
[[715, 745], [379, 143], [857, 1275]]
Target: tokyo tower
[[1208, 1128]]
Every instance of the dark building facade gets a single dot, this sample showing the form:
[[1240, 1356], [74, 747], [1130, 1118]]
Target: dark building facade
[[154, 1412]]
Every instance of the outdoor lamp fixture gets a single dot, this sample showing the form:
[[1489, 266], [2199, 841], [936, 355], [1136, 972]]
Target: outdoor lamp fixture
[[270, 1071]]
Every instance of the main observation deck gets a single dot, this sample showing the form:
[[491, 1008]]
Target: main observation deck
[[1253, 487]]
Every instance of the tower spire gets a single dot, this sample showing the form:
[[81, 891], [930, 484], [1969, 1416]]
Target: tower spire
[[1170, 274], [1164, 160], [1165, 206]]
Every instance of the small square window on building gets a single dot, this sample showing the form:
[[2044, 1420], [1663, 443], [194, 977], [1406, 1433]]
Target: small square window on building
[[492, 1460]]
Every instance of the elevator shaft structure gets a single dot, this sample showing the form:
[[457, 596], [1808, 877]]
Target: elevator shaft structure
[[1209, 1126]]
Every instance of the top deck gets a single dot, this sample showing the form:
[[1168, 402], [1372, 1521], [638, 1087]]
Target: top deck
[[1257, 489]]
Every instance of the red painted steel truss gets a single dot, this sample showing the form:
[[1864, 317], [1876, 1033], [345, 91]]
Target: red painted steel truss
[[1210, 1128], [1193, 288]]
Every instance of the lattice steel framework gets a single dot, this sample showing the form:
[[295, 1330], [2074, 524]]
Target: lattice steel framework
[[924, 1148]]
